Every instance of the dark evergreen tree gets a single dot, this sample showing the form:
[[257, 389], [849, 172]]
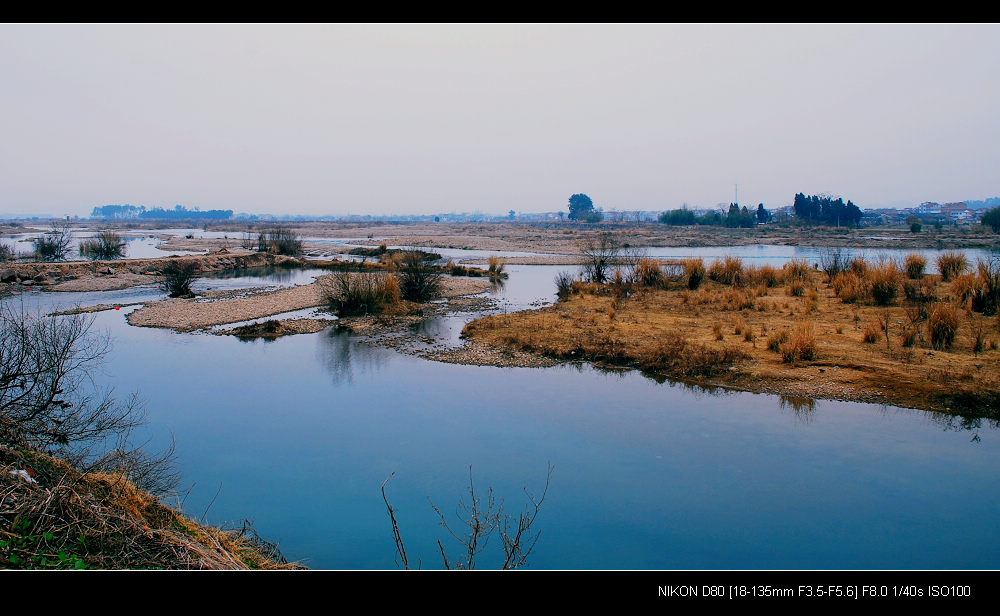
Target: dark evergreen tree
[[581, 207]]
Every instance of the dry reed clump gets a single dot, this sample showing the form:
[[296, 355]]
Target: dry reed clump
[[740, 326], [986, 297], [739, 299], [919, 291], [496, 267], [775, 340], [748, 335], [915, 265], [648, 274], [952, 264], [885, 281], [765, 275], [679, 357], [801, 346], [728, 271], [942, 325], [849, 287], [350, 294], [964, 287], [694, 272], [977, 335], [873, 331], [717, 330], [64, 519], [858, 266], [795, 288], [796, 270], [909, 336]]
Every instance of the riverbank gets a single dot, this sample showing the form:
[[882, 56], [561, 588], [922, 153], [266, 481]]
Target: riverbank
[[74, 276], [794, 338], [222, 308], [52, 516]]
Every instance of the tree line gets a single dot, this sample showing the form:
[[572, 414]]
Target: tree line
[[179, 212]]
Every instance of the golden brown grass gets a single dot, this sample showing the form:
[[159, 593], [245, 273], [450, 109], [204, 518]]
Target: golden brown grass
[[643, 322], [68, 519], [952, 264], [915, 265]]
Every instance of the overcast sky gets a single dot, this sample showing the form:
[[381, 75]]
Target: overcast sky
[[425, 119]]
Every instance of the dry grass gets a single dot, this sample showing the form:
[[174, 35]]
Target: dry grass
[[64, 519], [952, 264], [694, 272], [915, 265], [801, 346], [571, 329], [942, 325], [728, 270]]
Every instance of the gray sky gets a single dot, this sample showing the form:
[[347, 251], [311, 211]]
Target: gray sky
[[423, 119]]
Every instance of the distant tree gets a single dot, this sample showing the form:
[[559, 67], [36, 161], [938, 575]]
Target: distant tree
[[762, 214], [826, 210], [678, 217], [991, 219], [580, 207], [511, 215]]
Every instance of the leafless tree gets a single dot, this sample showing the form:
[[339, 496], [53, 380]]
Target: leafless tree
[[479, 520], [601, 254], [48, 402], [54, 244]]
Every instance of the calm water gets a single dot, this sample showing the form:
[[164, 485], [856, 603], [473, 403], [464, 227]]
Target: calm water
[[299, 433]]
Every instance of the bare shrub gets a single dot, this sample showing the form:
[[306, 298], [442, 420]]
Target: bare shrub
[[952, 264], [419, 281], [833, 261], [601, 253], [942, 325], [480, 519], [49, 404], [178, 276], [105, 246], [53, 245], [280, 241], [7, 253], [564, 285]]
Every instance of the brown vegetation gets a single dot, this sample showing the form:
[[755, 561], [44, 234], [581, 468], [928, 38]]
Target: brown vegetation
[[812, 339]]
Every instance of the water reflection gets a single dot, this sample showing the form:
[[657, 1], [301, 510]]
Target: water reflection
[[345, 359], [803, 408]]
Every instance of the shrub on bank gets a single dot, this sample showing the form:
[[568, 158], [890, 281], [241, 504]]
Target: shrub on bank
[[359, 293], [942, 325]]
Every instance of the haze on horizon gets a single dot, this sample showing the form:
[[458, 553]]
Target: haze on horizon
[[408, 119]]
